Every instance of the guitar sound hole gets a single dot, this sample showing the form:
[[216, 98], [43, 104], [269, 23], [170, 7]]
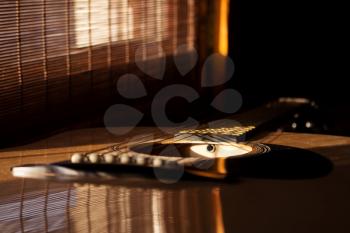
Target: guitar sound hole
[[194, 150]]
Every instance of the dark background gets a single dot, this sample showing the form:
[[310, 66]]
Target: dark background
[[293, 48]]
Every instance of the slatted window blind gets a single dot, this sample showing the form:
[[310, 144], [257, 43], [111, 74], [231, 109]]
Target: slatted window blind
[[58, 51]]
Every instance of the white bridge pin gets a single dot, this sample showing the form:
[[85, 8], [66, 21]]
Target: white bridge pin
[[124, 159], [157, 162], [109, 158], [77, 158], [93, 158], [140, 160]]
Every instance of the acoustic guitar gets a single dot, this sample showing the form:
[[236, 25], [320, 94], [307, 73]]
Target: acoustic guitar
[[219, 152]]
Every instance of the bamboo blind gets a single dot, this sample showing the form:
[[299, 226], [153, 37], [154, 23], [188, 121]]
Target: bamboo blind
[[57, 51]]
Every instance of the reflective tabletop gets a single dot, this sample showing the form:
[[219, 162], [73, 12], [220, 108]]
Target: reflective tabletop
[[190, 205]]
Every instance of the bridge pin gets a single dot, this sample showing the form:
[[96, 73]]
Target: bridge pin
[[77, 158]]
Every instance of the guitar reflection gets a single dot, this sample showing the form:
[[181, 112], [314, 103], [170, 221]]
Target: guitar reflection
[[62, 207]]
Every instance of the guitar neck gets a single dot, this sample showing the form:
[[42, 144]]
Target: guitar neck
[[243, 126]]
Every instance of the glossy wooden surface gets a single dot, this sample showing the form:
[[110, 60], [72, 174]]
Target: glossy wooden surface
[[148, 205]]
